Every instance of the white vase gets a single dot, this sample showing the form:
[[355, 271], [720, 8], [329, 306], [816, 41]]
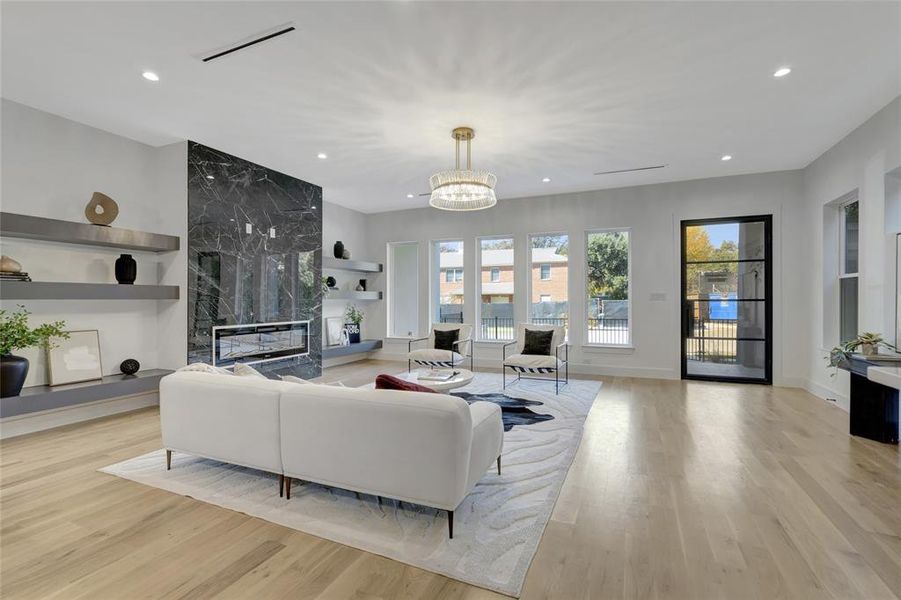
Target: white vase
[[869, 349]]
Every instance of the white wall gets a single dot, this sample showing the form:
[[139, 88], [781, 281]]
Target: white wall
[[653, 213], [858, 162], [50, 167], [352, 228]]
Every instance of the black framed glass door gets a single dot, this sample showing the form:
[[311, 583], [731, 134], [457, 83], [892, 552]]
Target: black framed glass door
[[726, 296]]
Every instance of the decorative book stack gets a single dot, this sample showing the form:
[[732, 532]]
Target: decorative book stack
[[14, 276]]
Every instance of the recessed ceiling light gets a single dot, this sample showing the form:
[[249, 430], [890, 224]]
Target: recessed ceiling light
[[322, 155], [409, 195], [726, 157], [782, 72], [546, 179], [210, 177], [150, 76]]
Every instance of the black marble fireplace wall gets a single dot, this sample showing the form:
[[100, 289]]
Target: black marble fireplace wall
[[254, 253]]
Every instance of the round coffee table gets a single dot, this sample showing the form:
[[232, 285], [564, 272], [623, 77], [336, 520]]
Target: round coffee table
[[463, 377]]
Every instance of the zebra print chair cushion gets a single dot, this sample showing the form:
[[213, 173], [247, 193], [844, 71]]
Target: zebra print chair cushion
[[430, 357], [533, 363]]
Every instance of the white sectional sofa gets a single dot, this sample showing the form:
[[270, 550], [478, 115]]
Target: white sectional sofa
[[428, 449]]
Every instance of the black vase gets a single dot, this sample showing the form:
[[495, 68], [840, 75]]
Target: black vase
[[13, 370], [339, 249], [126, 269]]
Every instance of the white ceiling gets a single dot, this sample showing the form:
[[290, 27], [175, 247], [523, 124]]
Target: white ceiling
[[553, 90]]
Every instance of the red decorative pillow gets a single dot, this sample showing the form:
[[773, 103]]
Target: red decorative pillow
[[390, 382]]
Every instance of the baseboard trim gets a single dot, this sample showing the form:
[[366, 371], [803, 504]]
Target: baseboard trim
[[11, 427], [826, 393]]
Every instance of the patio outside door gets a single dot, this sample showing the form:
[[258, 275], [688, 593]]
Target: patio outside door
[[726, 299]]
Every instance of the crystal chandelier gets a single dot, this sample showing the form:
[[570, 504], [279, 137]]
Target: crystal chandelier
[[463, 189]]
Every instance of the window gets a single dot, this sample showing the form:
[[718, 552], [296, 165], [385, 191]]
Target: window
[[549, 295], [447, 295], [403, 289], [496, 318], [849, 222], [607, 284]]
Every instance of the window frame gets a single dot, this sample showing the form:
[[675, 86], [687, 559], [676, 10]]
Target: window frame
[[435, 282], [529, 285], [494, 275], [392, 275], [843, 262], [477, 326], [541, 267], [584, 326]]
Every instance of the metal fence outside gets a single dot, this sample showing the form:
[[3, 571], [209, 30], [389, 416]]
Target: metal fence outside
[[713, 340], [599, 331]]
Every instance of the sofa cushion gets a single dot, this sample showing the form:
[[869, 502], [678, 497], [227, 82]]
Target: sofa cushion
[[430, 356], [534, 363], [242, 370], [204, 368], [390, 382], [538, 342], [444, 340]]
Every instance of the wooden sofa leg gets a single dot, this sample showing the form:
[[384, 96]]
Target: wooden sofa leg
[[288, 487], [450, 524], [168, 460], [281, 486], [498, 465]]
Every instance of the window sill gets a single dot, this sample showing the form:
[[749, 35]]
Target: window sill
[[493, 342], [608, 348]]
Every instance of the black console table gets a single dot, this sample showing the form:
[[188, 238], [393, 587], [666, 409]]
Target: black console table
[[874, 406]]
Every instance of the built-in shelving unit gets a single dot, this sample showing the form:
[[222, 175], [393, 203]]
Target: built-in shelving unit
[[69, 232], [360, 348], [353, 295], [361, 266], [61, 290], [43, 397]]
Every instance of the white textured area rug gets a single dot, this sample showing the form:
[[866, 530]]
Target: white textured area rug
[[496, 529]]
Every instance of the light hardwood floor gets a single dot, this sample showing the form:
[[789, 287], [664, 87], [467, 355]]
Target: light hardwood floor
[[679, 490]]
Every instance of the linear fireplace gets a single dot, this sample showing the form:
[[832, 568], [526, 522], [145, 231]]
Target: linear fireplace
[[260, 342]]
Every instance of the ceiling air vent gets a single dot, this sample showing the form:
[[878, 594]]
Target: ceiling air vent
[[248, 42], [630, 170]]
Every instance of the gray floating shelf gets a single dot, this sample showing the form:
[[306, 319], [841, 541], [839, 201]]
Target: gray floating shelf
[[353, 295], [69, 232], [339, 351], [361, 266], [43, 397], [61, 290]]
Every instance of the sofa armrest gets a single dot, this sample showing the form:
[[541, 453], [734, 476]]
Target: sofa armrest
[[487, 440]]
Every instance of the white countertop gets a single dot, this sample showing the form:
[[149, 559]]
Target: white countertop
[[890, 376]]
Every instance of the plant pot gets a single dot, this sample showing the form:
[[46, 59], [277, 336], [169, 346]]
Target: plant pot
[[869, 349], [353, 332], [13, 370], [126, 269]]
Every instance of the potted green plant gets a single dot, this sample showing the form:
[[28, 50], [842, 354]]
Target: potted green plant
[[867, 343], [15, 334], [352, 319]]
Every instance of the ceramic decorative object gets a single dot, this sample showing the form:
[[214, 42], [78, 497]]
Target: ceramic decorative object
[[331, 282], [362, 286], [13, 370], [346, 255], [101, 210], [130, 366], [339, 249], [869, 349], [353, 332], [9, 265], [126, 269]]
